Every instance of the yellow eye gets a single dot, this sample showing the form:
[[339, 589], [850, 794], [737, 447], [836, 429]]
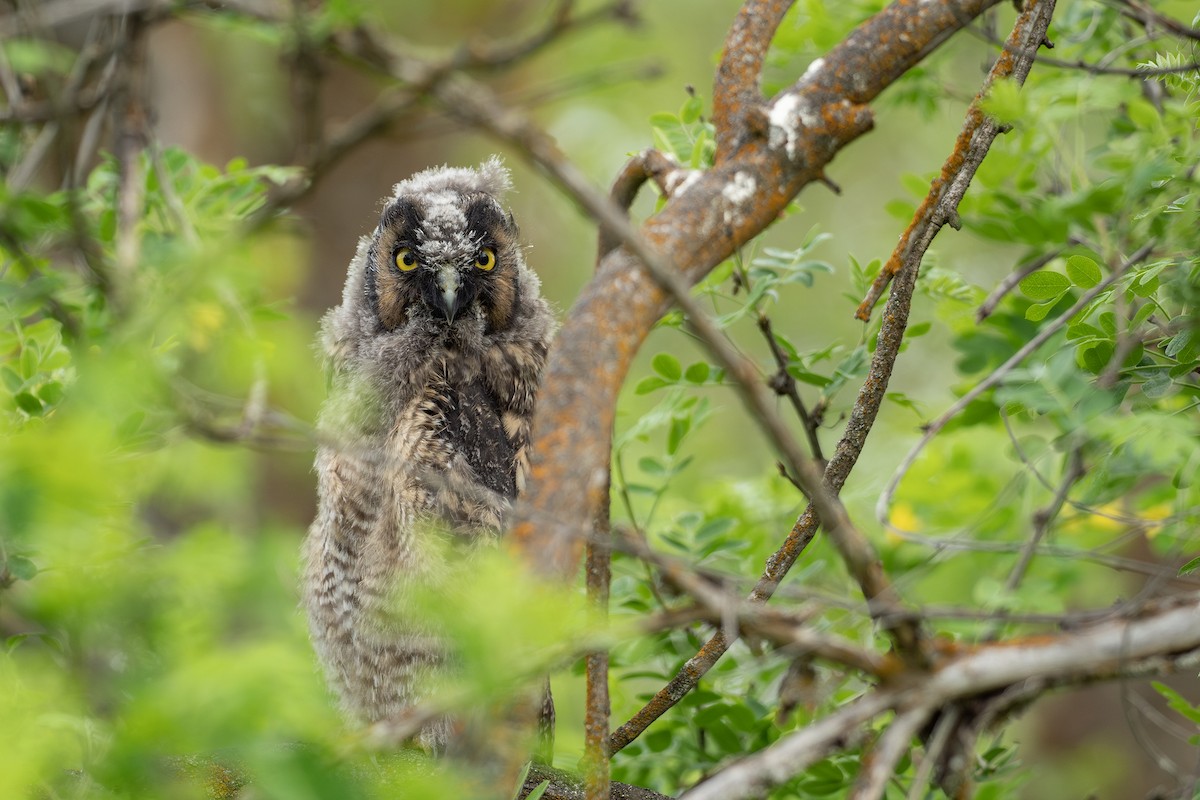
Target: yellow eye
[[486, 259], [406, 259]]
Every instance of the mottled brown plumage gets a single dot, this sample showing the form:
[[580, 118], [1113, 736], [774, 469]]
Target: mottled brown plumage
[[436, 353]]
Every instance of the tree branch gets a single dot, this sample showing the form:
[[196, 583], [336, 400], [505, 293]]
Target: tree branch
[[565, 786], [1158, 640], [879, 763], [598, 576], [736, 91], [978, 132]]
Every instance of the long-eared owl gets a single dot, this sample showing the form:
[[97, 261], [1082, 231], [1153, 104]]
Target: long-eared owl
[[435, 356]]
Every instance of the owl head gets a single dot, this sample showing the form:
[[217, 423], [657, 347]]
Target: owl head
[[446, 252], [443, 273]]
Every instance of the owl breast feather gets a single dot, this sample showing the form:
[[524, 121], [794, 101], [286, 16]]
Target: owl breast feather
[[471, 427]]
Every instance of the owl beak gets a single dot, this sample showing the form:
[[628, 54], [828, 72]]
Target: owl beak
[[449, 299]]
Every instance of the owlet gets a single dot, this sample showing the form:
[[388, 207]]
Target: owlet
[[435, 356]]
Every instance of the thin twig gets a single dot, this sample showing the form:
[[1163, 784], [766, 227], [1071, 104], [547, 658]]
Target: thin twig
[[947, 721], [598, 577], [1094, 69], [880, 762], [1043, 518], [564, 19], [306, 72], [1127, 340], [1011, 281], [784, 384], [131, 122], [1148, 17], [24, 171]]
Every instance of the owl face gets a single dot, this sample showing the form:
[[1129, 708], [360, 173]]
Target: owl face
[[451, 255]]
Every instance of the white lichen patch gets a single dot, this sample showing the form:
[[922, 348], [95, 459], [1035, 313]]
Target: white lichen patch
[[789, 115], [680, 181], [736, 193]]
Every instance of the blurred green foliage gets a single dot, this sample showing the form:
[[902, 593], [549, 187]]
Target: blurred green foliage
[[147, 600]]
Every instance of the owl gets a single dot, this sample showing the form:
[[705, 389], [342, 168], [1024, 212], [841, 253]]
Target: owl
[[435, 355]]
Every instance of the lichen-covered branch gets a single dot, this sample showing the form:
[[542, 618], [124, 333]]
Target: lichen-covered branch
[[1157, 640], [940, 206], [564, 786], [598, 577], [736, 89]]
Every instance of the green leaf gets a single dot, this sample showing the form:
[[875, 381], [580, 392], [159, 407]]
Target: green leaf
[[649, 384], [1081, 330], [51, 393], [715, 528], [1178, 702], [917, 185], [538, 791], [667, 366], [904, 401], [1044, 286], [22, 568], [652, 467], [1094, 356], [671, 136], [12, 381], [811, 378], [1143, 114], [679, 429], [57, 358], [44, 331], [899, 209], [1141, 316], [1190, 567], [659, 741], [37, 56], [521, 778], [1178, 342], [28, 403], [1083, 272], [1146, 286], [1037, 313], [920, 329], [1005, 102], [690, 112], [697, 373], [30, 359]]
